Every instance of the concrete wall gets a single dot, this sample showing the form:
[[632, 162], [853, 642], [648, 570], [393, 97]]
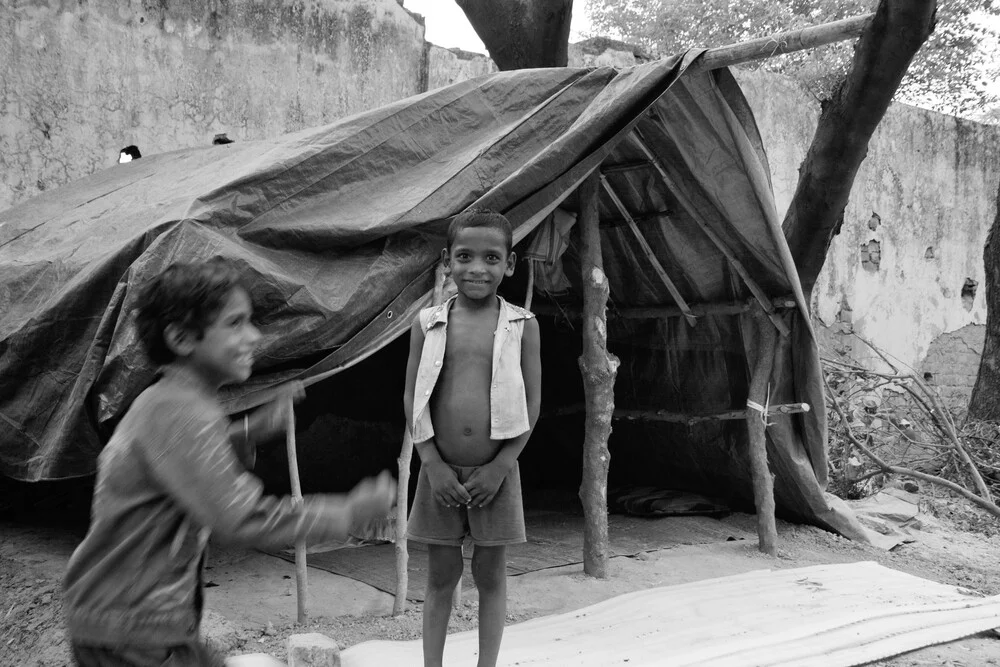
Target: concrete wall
[[448, 66], [81, 80], [906, 271]]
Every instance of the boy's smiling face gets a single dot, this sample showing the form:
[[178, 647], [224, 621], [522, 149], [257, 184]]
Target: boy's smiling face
[[224, 353], [478, 260]]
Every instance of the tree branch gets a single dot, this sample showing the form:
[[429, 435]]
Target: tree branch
[[885, 467], [845, 127]]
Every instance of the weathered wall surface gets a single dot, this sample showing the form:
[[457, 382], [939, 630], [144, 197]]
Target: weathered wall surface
[[448, 66], [80, 80], [906, 271]]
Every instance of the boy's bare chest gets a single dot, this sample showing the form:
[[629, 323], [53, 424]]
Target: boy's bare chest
[[469, 343]]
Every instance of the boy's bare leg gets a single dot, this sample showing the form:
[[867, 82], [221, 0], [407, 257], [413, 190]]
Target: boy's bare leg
[[489, 569], [444, 569]]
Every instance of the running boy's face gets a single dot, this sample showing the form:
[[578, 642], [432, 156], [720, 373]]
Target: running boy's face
[[224, 353], [478, 260]]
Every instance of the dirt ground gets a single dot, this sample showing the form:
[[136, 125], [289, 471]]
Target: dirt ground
[[251, 596]]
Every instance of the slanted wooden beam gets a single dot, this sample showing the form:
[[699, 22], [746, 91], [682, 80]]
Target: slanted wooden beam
[[599, 369], [608, 223], [665, 312], [685, 201], [783, 42], [621, 167], [650, 255]]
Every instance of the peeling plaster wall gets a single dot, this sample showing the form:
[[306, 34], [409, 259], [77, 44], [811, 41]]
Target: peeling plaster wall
[[914, 229], [80, 80]]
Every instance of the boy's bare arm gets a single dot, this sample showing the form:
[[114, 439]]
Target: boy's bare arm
[[190, 456], [484, 483], [444, 482]]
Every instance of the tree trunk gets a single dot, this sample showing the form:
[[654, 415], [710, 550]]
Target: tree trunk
[[846, 124], [985, 401], [520, 34], [599, 369]]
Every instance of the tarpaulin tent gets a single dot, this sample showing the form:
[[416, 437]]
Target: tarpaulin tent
[[339, 228]]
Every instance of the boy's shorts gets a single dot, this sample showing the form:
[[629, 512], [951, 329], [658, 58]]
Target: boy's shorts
[[499, 523]]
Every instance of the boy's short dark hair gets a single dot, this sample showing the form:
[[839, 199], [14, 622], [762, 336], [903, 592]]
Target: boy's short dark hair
[[187, 294], [481, 217]]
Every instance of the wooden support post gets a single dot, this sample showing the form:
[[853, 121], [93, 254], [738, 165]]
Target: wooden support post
[[301, 582], [679, 193], [402, 491], [403, 487], [650, 255], [599, 369], [763, 483]]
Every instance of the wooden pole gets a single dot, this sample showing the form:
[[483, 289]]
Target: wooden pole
[[756, 416], [650, 255], [530, 291], [402, 491], [599, 369], [403, 488], [689, 419], [783, 42], [301, 581]]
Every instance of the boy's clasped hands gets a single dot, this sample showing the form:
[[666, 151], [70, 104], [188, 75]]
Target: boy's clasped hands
[[482, 486]]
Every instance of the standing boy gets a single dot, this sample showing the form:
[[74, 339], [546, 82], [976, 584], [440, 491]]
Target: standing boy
[[169, 477], [473, 392]]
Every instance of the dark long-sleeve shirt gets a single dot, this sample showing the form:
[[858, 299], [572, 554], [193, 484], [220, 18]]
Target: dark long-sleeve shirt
[[167, 479]]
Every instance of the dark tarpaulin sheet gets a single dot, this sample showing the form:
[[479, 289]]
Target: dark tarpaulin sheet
[[338, 228]]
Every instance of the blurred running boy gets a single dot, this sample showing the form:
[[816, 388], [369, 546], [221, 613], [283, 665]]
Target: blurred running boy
[[169, 477]]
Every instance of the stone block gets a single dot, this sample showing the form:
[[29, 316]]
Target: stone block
[[313, 649]]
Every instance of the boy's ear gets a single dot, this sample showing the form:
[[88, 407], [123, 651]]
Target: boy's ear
[[179, 340], [511, 261], [445, 257]]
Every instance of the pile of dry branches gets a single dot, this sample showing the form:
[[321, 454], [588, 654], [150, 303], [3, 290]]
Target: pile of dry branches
[[892, 423]]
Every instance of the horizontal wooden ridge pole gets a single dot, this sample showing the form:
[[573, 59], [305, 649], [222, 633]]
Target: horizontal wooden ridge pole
[[662, 312], [783, 42], [682, 418]]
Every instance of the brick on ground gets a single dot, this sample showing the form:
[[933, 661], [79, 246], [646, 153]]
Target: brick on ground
[[313, 649]]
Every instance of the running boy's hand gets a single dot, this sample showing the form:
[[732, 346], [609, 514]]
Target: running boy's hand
[[445, 485], [372, 498], [270, 420], [484, 483]]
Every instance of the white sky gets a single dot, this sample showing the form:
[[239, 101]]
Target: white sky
[[448, 27]]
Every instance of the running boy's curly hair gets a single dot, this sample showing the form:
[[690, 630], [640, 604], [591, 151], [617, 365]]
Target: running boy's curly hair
[[187, 294], [481, 217]]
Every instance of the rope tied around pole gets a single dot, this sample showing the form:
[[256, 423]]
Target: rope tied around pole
[[764, 410]]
